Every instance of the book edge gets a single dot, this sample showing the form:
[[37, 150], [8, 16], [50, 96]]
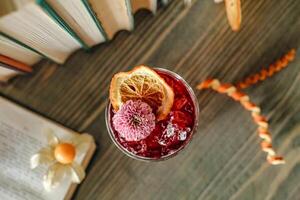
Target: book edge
[[85, 163], [55, 16], [131, 20], [152, 9], [23, 45], [95, 19], [129, 13]]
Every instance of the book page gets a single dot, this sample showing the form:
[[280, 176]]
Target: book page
[[22, 135]]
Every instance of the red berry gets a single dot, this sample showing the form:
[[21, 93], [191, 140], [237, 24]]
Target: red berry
[[182, 119], [180, 103]]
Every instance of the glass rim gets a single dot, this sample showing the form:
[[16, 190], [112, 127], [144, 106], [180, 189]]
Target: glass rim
[[165, 157]]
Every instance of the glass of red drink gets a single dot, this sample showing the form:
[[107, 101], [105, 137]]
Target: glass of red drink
[[170, 135]]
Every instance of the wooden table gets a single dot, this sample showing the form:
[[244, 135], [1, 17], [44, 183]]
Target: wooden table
[[224, 160]]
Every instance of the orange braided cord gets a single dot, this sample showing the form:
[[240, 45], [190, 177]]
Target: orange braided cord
[[260, 120], [265, 73]]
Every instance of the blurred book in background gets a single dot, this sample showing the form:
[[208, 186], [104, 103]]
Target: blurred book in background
[[113, 15], [79, 16], [33, 29], [37, 25], [144, 4], [18, 51]]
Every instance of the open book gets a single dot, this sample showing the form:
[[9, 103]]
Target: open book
[[22, 135]]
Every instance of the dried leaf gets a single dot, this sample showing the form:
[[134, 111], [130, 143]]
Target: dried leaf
[[78, 172], [54, 176], [51, 137], [82, 143], [45, 156]]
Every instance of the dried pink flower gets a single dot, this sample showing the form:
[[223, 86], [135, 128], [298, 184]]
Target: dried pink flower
[[134, 121]]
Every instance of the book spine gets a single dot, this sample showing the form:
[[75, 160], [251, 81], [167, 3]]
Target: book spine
[[94, 17], [15, 64], [52, 13], [22, 44]]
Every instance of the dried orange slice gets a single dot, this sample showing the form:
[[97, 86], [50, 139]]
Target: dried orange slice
[[145, 84]]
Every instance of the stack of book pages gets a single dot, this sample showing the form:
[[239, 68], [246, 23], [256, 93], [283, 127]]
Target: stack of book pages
[[34, 29]]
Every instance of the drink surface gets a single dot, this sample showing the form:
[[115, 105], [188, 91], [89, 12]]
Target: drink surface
[[170, 134]]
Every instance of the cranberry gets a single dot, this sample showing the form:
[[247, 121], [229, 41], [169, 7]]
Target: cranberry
[[180, 103], [189, 108], [181, 118]]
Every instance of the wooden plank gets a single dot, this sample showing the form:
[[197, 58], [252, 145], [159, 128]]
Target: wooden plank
[[224, 160]]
